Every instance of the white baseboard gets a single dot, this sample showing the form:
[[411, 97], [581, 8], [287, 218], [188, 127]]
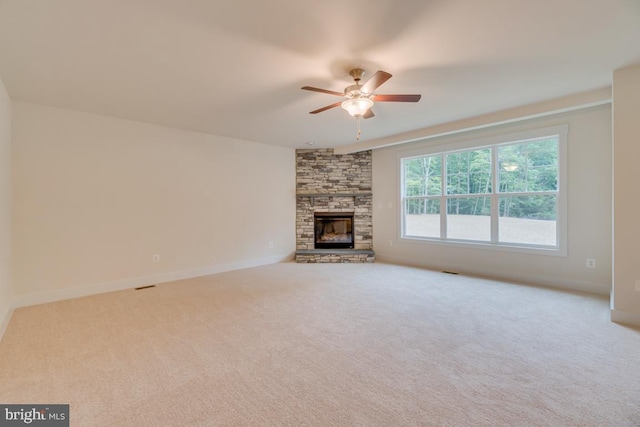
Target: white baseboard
[[135, 282], [625, 317], [4, 321], [548, 282]]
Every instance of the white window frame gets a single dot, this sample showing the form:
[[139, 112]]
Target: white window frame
[[512, 138]]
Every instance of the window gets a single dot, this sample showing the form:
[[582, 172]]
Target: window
[[504, 192]]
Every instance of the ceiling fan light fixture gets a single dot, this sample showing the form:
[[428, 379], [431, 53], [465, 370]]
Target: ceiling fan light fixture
[[357, 107]]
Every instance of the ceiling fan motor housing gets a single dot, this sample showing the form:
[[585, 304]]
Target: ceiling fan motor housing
[[354, 91]]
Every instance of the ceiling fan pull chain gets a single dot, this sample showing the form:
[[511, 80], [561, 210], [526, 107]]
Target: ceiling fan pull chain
[[358, 127]]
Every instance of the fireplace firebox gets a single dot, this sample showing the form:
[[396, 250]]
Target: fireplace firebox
[[333, 230]]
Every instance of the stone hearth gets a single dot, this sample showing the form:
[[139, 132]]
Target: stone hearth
[[330, 183]]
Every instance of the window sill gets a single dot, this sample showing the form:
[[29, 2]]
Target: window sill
[[503, 247]]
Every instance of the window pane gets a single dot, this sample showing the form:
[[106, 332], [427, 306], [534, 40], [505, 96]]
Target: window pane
[[423, 176], [469, 172], [422, 218], [469, 218], [528, 219], [531, 166]]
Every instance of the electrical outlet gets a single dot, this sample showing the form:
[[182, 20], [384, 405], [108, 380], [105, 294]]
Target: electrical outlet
[[637, 283], [156, 258], [270, 244], [591, 263]]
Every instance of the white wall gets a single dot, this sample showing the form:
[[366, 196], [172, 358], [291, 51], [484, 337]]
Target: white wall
[[626, 134], [589, 211], [6, 292], [97, 197]]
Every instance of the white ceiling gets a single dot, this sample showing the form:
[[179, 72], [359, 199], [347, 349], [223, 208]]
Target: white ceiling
[[235, 68]]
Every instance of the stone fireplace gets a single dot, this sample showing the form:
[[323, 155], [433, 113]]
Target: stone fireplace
[[334, 207]]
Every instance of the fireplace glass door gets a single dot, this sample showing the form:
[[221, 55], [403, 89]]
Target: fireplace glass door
[[333, 230]]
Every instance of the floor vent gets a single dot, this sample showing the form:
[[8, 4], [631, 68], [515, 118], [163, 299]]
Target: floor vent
[[449, 272], [145, 287]]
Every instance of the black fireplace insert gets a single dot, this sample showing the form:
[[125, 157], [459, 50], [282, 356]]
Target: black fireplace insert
[[333, 230]]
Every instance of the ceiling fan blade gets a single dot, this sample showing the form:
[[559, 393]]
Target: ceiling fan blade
[[328, 107], [397, 98], [375, 81], [316, 89], [368, 114]]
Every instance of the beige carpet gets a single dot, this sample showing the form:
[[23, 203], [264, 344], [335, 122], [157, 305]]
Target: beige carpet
[[327, 345]]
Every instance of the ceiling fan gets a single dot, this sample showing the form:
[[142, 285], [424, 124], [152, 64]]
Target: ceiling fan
[[359, 98]]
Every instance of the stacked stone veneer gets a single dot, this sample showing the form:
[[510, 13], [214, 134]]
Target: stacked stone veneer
[[326, 182]]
